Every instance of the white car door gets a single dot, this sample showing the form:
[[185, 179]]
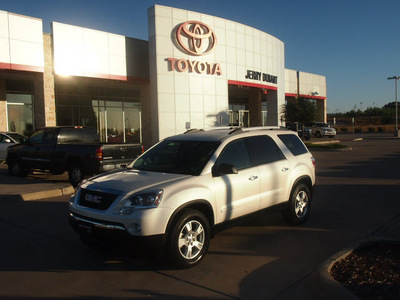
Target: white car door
[[236, 194], [273, 167]]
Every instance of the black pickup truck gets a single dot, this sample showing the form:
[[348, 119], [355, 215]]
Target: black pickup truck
[[74, 149]]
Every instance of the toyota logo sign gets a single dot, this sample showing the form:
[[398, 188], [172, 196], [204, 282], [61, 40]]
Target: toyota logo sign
[[196, 38]]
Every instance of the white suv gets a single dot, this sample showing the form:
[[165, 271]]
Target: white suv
[[184, 186]]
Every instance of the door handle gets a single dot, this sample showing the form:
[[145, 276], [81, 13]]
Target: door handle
[[252, 178], [284, 169]]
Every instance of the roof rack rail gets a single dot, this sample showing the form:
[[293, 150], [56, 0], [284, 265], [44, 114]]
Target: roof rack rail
[[193, 130], [264, 128], [222, 128]]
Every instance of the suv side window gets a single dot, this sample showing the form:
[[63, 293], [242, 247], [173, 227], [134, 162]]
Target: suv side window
[[263, 150], [293, 143], [235, 154]]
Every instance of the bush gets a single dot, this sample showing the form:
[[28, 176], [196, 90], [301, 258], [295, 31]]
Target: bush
[[358, 129], [343, 129], [371, 129]]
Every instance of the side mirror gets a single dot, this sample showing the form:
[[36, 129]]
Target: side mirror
[[224, 169]]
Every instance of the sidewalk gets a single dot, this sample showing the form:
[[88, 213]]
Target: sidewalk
[[35, 186]]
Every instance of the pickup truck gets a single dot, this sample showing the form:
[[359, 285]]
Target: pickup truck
[[74, 149]]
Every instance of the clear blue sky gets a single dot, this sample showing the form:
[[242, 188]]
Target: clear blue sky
[[354, 43]]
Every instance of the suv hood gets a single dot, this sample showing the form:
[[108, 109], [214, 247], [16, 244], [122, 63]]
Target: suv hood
[[129, 180]]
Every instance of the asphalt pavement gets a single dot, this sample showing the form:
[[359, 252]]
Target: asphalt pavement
[[317, 283], [35, 186]]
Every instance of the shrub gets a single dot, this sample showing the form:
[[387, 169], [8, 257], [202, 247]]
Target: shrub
[[381, 129], [358, 129], [343, 129], [371, 129]]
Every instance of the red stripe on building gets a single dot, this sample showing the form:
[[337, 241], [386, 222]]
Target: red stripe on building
[[251, 84], [19, 67]]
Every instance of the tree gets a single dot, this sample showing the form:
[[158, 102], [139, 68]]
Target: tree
[[301, 110]]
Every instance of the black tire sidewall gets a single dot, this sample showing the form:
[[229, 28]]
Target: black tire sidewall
[[174, 254], [11, 168], [71, 176]]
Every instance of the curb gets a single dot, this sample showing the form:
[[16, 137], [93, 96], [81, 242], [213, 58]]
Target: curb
[[48, 194], [325, 272]]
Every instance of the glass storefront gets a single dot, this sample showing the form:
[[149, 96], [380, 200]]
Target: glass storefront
[[115, 112], [20, 113], [20, 108]]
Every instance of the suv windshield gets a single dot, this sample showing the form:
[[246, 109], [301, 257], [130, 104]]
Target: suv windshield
[[177, 157]]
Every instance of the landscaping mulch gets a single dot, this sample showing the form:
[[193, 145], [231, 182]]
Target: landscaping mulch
[[371, 271]]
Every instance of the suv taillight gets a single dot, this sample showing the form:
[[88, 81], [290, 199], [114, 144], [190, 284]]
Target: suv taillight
[[99, 153], [313, 161]]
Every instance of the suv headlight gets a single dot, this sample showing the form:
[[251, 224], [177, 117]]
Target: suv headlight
[[141, 201]]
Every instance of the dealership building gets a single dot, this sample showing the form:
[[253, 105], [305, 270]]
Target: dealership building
[[195, 71]]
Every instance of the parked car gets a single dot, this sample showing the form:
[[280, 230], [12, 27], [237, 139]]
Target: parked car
[[182, 188], [320, 129], [74, 149], [302, 131], [7, 139]]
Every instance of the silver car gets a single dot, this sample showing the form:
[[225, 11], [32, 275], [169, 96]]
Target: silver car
[[7, 139]]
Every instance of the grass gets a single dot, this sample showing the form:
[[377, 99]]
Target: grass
[[332, 146]]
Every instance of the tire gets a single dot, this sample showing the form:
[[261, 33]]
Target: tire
[[189, 239], [318, 134], [299, 205], [76, 174], [15, 168]]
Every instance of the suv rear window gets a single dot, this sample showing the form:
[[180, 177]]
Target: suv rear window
[[293, 143]]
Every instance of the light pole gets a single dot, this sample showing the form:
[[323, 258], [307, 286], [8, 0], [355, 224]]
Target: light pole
[[396, 133]]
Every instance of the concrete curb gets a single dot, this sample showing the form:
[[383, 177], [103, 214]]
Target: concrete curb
[[325, 272], [68, 190]]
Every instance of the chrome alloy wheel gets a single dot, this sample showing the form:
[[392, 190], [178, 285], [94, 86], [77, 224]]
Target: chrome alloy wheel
[[191, 239], [301, 204]]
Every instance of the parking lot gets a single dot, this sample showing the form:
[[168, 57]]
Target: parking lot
[[261, 257]]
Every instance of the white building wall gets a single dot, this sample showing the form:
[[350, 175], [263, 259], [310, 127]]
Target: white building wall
[[21, 42], [312, 84], [81, 51], [182, 100]]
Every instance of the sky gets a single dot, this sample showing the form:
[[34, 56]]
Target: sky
[[354, 43]]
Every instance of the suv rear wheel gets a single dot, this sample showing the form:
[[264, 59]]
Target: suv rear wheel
[[190, 237], [299, 205]]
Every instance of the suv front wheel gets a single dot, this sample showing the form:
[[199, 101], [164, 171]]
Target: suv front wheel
[[299, 205], [190, 237]]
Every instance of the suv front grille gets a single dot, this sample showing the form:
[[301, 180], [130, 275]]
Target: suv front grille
[[96, 199]]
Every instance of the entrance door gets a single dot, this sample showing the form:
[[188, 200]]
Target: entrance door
[[239, 118]]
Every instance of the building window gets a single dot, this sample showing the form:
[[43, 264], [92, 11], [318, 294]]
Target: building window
[[115, 112], [20, 113]]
